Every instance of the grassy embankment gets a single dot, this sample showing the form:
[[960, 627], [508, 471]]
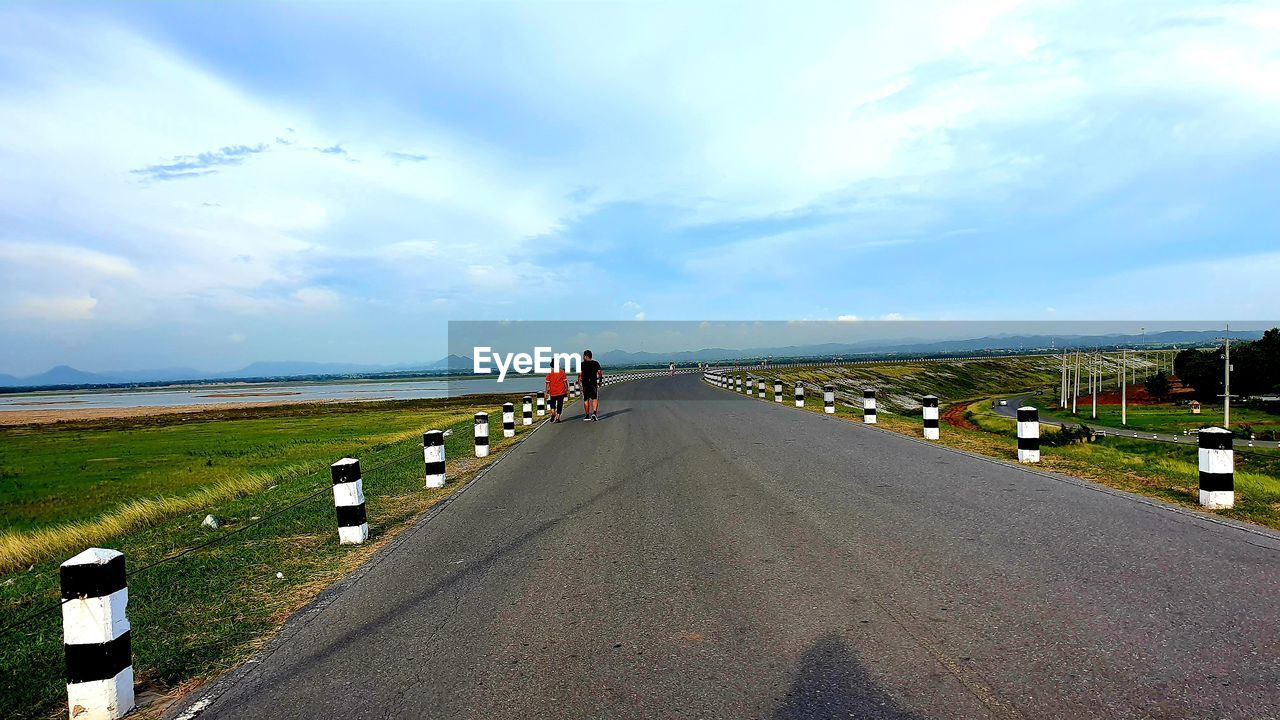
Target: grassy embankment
[[144, 485], [1161, 470]]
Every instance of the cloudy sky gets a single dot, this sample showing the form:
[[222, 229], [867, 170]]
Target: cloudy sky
[[208, 185]]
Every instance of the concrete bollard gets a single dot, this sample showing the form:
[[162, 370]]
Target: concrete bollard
[[95, 635], [348, 500], [527, 414], [829, 399], [777, 390], [1028, 434], [542, 403], [799, 394], [433, 457], [482, 434], [869, 406], [508, 420], [760, 388], [929, 410], [1217, 469]]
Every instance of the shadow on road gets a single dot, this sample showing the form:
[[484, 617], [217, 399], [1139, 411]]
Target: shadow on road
[[831, 683]]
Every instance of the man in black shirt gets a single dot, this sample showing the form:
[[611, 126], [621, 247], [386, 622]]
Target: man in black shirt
[[589, 377]]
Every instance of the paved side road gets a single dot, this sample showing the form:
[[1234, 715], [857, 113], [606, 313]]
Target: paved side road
[[697, 554], [1010, 410]]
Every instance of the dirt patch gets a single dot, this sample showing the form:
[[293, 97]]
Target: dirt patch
[[954, 416]]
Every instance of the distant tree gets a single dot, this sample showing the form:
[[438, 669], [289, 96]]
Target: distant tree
[[1201, 370], [1158, 386], [1256, 368]]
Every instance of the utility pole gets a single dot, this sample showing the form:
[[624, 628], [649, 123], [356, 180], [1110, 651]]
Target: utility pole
[[1226, 381], [1124, 387], [1062, 384], [1094, 378], [1075, 390]]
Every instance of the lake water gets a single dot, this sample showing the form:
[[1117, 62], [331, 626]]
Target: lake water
[[266, 393]]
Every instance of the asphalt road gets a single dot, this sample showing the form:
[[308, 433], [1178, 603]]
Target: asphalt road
[[698, 554], [1011, 410]]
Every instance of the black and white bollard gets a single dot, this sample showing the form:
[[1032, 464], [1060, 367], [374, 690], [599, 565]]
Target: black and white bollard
[[542, 403], [1028, 434], [799, 394], [348, 500], [433, 457], [760, 388], [527, 416], [869, 406], [929, 410], [777, 391], [95, 635], [829, 399], [1217, 469], [508, 420], [482, 434]]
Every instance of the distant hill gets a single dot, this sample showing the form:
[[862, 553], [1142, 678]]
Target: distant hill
[[69, 376], [288, 369], [453, 362], [66, 375]]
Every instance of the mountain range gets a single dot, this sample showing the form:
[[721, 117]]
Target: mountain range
[[63, 375]]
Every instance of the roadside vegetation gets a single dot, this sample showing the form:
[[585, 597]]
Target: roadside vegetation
[[202, 599]]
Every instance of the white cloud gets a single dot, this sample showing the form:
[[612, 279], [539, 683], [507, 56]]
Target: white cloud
[[56, 309], [847, 318]]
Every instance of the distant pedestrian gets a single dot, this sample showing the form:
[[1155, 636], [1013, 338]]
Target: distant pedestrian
[[589, 376], [672, 370], [557, 390]]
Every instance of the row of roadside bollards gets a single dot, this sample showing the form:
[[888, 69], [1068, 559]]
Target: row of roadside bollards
[[96, 630], [1216, 450]]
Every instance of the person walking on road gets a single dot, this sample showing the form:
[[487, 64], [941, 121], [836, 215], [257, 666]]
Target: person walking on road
[[557, 390], [589, 377]]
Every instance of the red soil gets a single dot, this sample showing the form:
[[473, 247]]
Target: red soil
[[954, 416]]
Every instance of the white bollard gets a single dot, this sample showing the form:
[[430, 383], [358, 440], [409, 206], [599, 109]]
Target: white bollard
[[829, 399], [348, 501], [542, 403], [799, 394], [527, 416], [508, 420], [760, 388], [433, 457], [482, 434], [777, 391], [929, 410], [95, 635], [1217, 469], [869, 406], [1028, 434]]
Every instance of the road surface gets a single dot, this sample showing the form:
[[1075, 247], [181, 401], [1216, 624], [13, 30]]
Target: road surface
[[1010, 410], [699, 554]]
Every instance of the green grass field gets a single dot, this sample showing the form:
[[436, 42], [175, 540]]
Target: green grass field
[[1166, 418], [263, 473]]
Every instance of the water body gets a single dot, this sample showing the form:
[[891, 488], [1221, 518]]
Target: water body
[[266, 393]]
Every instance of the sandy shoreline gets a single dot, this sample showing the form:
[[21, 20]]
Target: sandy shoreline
[[45, 417]]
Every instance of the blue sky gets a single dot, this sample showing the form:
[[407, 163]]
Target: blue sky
[[208, 185]]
